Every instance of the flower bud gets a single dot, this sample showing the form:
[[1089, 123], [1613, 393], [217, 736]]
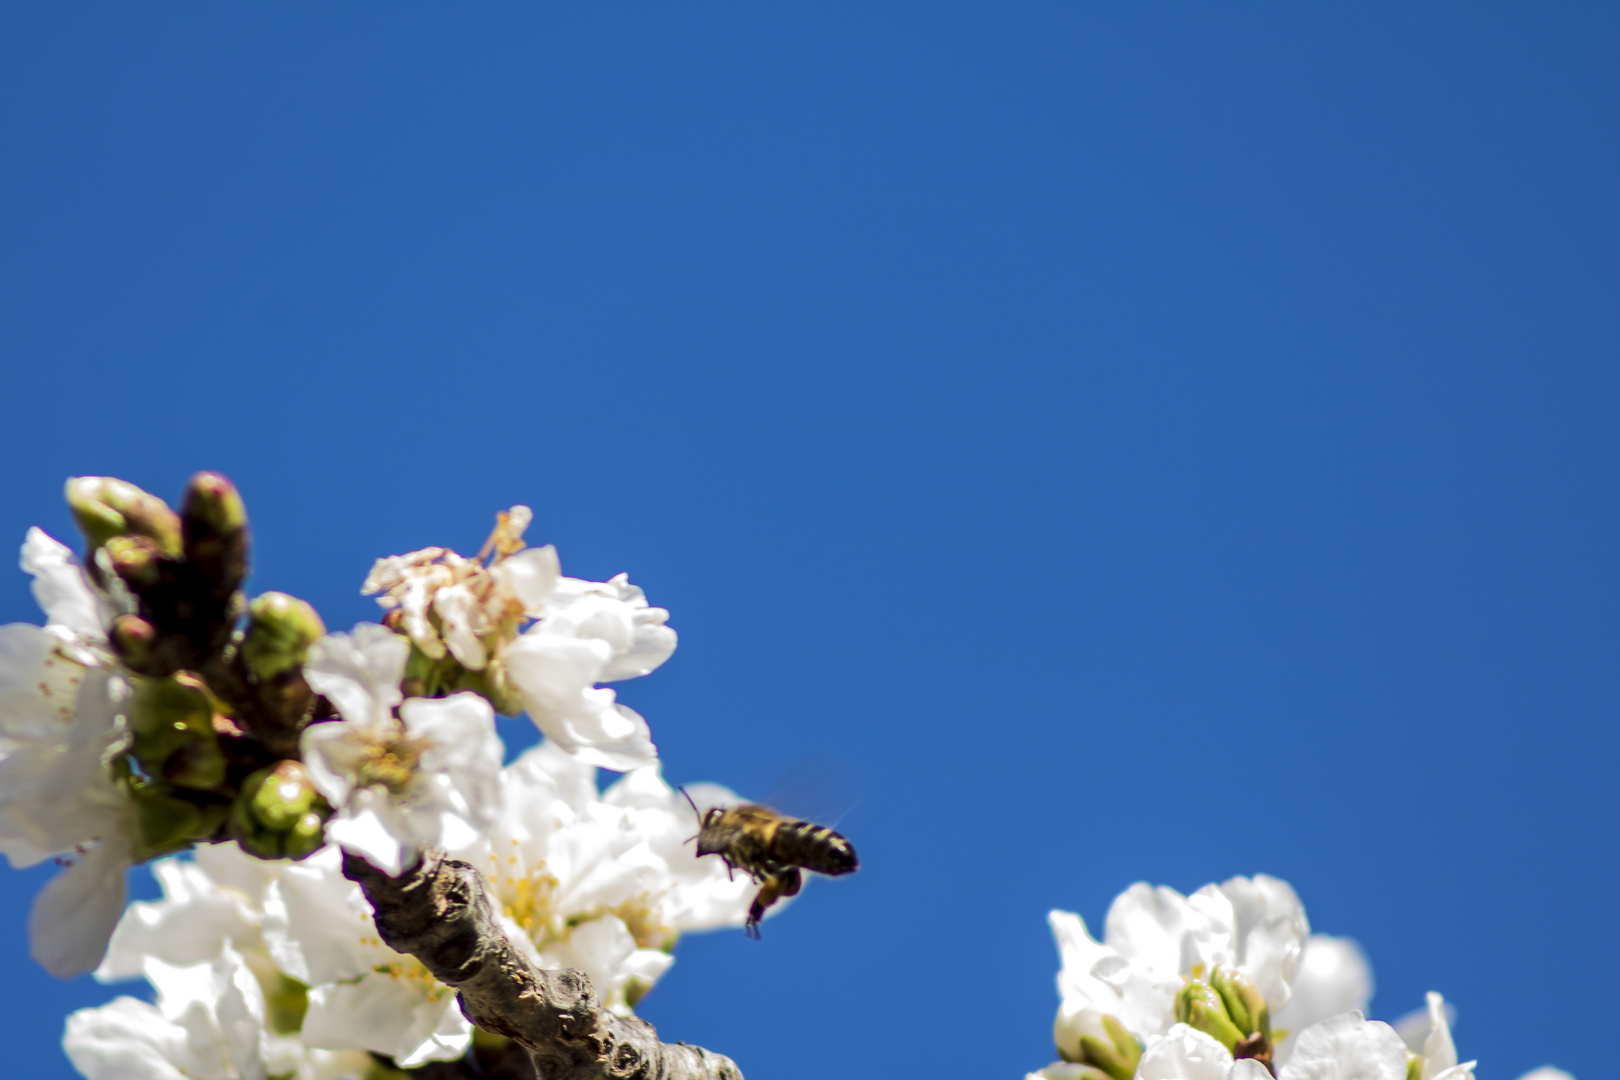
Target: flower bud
[[137, 560], [134, 640], [213, 502], [278, 813], [213, 529], [1199, 1006], [280, 631], [105, 507], [306, 836], [1116, 1052], [172, 721], [1244, 1002]]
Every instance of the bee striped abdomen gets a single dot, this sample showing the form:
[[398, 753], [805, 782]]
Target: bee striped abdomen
[[814, 847]]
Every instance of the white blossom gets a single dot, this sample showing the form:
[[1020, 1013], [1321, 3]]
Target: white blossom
[[579, 634], [587, 633], [209, 1023], [604, 883], [61, 725], [212, 898], [363, 995], [426, 777], [1154, 936]]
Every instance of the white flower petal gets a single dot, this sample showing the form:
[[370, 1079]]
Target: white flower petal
[[462, 746], [1333, 977], [531, 575], [1145, 925], [1439, 1052], [125, 1040], [365, 827], [1347, 1047], [74, 914], [652, 644], [190, 925], [1184, 1053], [359, 671], [551, 671], [389, 1016], [61, 588], [1271, 931], [462, 618], [318, 925]]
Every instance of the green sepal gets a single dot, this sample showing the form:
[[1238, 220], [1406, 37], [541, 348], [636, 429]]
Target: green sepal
[[1199, 1006], [1244, 1002], [1117, 1056], [165, 824]]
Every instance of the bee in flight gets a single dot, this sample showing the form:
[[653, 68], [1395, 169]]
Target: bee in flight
[[771, 849]]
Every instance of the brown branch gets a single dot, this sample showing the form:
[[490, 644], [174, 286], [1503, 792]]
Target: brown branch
[[439, 912]]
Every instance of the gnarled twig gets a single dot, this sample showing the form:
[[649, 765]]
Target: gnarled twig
[[439, 912]]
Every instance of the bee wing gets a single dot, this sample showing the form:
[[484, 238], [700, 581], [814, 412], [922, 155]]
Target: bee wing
[[817, 789]]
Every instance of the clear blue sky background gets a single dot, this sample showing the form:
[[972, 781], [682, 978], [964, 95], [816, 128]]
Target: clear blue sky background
[[1150, 440]]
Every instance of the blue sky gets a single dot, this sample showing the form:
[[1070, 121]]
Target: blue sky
[[1133, 441]]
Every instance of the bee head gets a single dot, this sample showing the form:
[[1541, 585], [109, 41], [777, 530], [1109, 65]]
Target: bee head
[[704, 817]]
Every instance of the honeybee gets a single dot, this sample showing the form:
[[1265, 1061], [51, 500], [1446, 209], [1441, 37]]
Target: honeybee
[[771, 849]]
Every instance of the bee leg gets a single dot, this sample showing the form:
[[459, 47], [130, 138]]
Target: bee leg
[[791, 883], [787, 883]]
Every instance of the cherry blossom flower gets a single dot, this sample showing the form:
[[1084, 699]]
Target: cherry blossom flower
[[61, 725], [579, 634], [1154, 936], [426, 777]]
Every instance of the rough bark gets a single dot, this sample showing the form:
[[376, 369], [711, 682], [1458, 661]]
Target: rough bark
[[439, 912]]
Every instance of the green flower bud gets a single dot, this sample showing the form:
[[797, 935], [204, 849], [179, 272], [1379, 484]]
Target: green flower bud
[[172, 722], [1244, 1002], [278, 813], [1117, 1056], [306, 836], [214, 535], [1199, 1006], [213, 502], [105, 507], [280, 632], [137, 560]]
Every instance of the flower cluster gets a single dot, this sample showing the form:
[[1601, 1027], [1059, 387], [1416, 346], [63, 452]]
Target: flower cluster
[[161, 715], [1230, 984], [301, 984]]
